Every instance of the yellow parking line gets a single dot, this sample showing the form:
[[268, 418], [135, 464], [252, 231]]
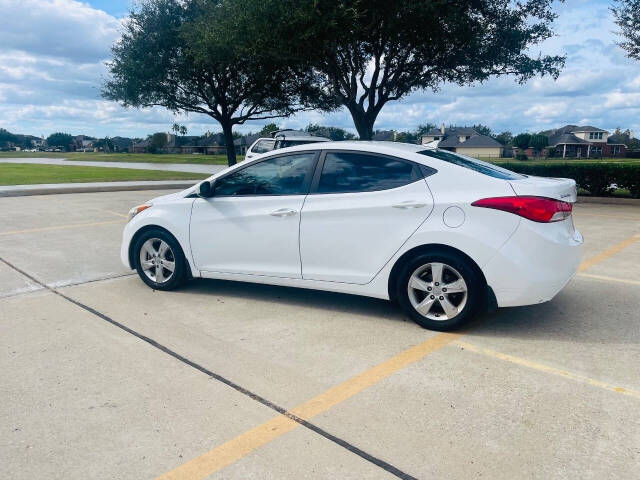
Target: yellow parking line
[[609, 279], [115, 213], [231, 451], [60, 227], [608, 252], [548, 369]]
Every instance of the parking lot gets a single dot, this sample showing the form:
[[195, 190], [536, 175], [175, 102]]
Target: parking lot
[[104, 378]]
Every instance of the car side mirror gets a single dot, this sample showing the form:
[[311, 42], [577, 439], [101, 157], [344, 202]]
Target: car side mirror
[[206, 189]]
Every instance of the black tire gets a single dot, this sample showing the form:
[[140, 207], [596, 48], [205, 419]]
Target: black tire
[[179, 274], [454, 264]]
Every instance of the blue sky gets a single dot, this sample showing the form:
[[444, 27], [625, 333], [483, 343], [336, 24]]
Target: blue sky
[[52, 55]]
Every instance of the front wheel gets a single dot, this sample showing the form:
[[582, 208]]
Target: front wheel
[[159, 260], [439, 290]]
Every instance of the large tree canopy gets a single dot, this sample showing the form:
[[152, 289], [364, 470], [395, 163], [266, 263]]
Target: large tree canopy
[[370, 52], [191, 56], [60, 139], [627, 17]]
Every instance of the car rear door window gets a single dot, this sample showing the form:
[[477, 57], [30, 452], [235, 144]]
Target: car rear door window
[[283, 175], [345, 172], [263, 146], [472, 164]]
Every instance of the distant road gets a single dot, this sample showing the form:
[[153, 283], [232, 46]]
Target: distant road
[[170, 167]]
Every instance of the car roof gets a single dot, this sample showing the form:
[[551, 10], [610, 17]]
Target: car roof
[[294, 138], [365, 146]]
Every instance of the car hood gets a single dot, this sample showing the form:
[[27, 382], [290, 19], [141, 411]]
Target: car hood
[[173, 196]]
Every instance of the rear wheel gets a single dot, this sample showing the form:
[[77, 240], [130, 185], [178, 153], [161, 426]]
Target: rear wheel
[[159, 260], [439, 290]]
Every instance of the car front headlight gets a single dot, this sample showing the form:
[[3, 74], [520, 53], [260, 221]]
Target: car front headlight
[[136, 210]]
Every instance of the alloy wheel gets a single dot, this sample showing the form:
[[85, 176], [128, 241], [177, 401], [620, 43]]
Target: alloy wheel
[[157, 260], [437, 291]]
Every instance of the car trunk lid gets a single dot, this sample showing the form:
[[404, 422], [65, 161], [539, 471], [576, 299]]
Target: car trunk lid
[[563, 189]]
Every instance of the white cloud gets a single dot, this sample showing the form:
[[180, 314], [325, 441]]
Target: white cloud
[[57, 28], [623, 100], [53, 54]]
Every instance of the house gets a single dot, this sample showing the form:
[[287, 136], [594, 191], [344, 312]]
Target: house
[[121, 144], [82, 143], [584, 141], [141, 146], [464, 140], [243, 143], [384, 136], [208, 144]]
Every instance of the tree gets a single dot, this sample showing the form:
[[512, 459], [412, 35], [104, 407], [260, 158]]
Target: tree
[[158, 141], [505, 138], [268, 129], [522, 140], [334, 133], [483, 130], [179, 129], [7, 138], [627, 16], [424, 128], [60, 139], [106, 144], [538, 142], [406, 137], [366, 53], [200, 56]]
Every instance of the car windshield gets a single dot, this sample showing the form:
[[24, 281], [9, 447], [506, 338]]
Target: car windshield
[[472, 164]]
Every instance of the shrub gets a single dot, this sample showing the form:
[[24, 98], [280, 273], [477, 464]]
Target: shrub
[[596, 178], [521, 156]]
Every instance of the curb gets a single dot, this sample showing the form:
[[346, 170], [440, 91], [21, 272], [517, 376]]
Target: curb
[[52, 189], [609, 200]]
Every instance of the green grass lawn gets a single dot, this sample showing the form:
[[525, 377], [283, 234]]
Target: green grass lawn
[[125, 157], [29, 174]]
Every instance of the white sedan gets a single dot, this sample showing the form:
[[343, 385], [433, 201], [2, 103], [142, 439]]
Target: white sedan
[[444, 235]]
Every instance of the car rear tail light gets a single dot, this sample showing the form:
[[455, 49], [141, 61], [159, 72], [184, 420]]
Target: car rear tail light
[[538, 209]]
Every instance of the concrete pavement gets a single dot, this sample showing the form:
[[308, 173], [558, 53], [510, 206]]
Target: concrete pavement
[[549, 391]]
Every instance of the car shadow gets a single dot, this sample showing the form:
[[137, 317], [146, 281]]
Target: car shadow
[[575, 314], [300, 297]]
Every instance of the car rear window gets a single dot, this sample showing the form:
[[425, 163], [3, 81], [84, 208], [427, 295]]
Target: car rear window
[[263, 146], [472, 164], [293, 143]]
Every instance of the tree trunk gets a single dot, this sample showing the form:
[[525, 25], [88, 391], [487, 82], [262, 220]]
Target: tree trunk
[[228, 141], [363, 121]]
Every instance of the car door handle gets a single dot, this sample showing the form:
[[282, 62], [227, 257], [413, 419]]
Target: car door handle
[[283, 212], [409, 204]]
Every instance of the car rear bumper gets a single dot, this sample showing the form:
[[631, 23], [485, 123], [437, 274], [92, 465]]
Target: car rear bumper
[[535, 263]]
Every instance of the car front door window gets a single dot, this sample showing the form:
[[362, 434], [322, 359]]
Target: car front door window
[[285, 175]]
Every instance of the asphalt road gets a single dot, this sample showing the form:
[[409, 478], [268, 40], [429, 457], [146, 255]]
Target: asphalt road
[[104, 378]]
